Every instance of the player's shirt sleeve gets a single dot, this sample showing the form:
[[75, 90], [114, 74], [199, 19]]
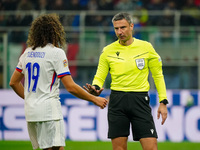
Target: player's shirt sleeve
[[102, 71], [61, 64], [155, 66], [19, 65]]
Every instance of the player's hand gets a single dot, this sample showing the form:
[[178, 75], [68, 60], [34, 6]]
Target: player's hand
[[101, 102], [162, 110], [92, 90]]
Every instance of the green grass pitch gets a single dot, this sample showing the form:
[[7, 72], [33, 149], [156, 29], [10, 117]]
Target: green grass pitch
[[72, 145]]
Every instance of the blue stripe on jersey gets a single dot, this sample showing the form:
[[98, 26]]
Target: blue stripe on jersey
[[64, 74]]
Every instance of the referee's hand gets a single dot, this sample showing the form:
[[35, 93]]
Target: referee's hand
[[92, 90], [162, 110]]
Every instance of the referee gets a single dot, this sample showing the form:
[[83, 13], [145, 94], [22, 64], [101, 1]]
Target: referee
[[129, 60]]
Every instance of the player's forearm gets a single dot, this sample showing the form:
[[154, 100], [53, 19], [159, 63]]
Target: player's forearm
[[18, 88], [77, 91], [15, 83]]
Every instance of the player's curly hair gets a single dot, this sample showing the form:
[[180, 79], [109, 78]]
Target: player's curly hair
[[46, 29]]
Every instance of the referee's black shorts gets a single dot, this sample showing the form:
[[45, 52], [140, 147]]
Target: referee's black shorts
[[127, 108]]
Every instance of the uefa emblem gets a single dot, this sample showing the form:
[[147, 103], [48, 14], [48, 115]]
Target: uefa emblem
[[140, 63]]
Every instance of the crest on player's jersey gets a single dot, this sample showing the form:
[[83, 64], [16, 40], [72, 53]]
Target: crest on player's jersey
[[140, 63], [65, 63]]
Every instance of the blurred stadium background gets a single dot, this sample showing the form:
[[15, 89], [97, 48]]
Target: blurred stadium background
[[172, 26]]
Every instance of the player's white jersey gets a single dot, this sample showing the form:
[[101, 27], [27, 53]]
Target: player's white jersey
[[42, 69]]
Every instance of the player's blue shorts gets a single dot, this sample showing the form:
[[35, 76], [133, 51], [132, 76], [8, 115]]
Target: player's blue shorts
[[127, 108]]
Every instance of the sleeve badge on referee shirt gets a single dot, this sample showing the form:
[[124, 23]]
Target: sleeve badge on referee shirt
[[140, 63], [65, 63]]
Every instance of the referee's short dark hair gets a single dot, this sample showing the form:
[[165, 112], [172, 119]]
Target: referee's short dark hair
[[123, 15]]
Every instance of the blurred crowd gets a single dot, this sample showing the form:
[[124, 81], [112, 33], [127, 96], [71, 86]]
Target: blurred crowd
[[190, 7], [189, 17]]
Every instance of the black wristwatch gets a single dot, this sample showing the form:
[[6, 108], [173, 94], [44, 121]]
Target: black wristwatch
[[165, 101], [96, 87]]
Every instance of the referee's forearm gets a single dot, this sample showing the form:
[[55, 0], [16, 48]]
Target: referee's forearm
[[161, 88]]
